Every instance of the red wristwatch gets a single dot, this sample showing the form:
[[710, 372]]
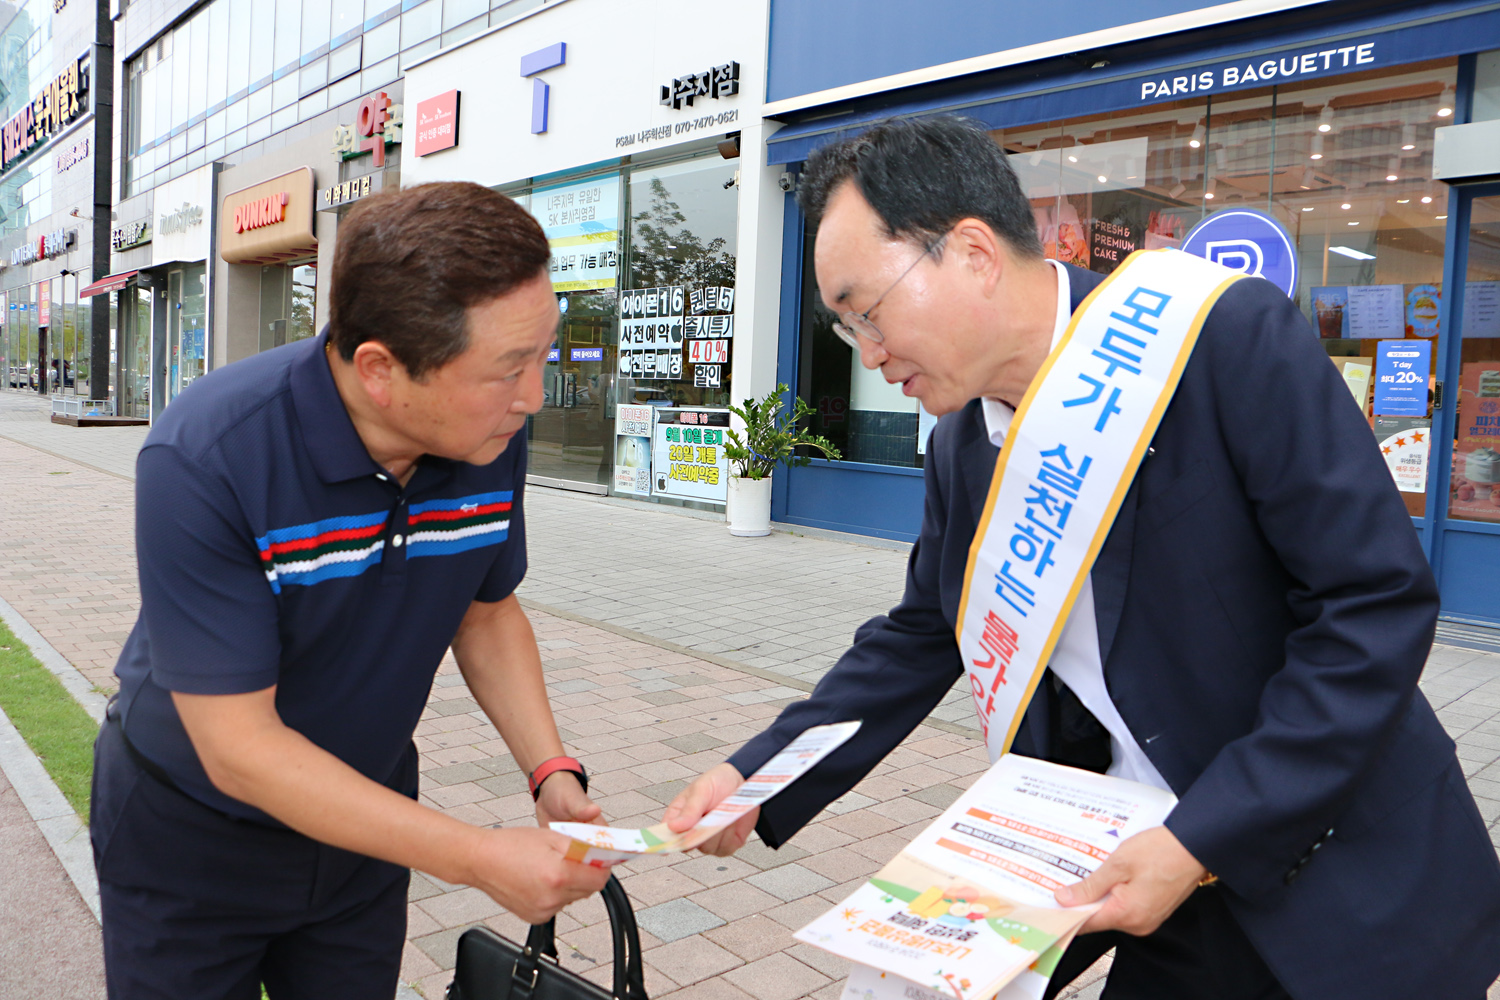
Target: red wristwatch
[[547, 768]]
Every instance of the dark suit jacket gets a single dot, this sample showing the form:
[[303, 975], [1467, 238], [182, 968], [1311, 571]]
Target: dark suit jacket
[[1264, 611]]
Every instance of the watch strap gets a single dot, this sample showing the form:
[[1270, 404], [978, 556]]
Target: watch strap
[[547, 768]]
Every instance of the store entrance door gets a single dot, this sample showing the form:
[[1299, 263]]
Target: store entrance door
[[572, 439], [185, 355], [1463, 500]]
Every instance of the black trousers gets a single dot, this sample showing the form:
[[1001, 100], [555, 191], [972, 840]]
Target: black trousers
[[1200, 953], [200, 905]]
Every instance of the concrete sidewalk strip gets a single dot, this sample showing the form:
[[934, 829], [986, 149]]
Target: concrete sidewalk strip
[[65, 832]]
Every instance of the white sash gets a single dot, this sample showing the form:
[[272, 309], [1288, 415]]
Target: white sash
[[1069, 458]]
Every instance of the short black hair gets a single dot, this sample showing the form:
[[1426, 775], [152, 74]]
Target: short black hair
[[412, 261], [921, 176]]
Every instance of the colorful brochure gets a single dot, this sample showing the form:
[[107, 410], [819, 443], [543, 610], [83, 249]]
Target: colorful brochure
[[603, 846], [967, 910]]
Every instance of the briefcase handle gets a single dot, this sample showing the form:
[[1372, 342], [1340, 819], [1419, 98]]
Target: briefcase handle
[[630, 983]]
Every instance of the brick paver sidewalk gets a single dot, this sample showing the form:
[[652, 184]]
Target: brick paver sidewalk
[[647, 695]]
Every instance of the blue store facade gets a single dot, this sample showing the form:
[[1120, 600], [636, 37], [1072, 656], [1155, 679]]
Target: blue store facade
[[1369, 131]]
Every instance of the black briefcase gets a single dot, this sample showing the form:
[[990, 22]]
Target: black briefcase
[[493, 967]]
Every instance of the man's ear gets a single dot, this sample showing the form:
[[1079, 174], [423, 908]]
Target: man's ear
[[981, 252], [378, 371]]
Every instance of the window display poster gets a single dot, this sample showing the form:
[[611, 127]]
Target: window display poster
[[651, 332], [688, 459], [1374, 312], [582, 223], [1423, 304], [1481, 309], [1401, 369], [633, 449], [1476, 452], [1405, 447], [1331, 311]]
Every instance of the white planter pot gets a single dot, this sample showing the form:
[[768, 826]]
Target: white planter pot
[[748, 509]]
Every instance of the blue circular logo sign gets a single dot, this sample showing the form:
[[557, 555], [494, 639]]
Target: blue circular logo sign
[[1248, 241]]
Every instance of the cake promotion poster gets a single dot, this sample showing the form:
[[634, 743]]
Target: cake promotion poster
[[1476, 455]]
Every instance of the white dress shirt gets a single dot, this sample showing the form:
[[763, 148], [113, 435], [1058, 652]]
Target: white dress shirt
[[1076, 660]]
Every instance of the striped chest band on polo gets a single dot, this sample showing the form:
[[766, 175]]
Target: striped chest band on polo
[[308, 554]]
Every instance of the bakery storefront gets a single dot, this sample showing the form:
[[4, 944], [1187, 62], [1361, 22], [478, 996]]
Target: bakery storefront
[[1354, 144], [636, 169]]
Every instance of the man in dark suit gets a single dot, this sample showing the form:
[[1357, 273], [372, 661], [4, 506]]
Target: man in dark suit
[[1250, 637]]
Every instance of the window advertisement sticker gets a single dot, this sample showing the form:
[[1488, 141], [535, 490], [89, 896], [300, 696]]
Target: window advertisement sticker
[[1401, 368]]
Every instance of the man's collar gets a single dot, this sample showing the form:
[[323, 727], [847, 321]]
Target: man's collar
[[337, 452]]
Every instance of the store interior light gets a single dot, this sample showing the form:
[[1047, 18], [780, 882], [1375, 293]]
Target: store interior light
[[1199, 132], [1103, 179], [1325, 120], [1351, 252], [1177, 191], [1346, 206], [1072, 158], [1440, 218], [1427, 199], [1208, 192], [1354, 223], [1308, 178], [1307, 208], [1317, 147], [1445, 103], [1403, 201], [1408, 137]]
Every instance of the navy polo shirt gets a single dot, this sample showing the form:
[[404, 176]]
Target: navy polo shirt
[[274, 550]]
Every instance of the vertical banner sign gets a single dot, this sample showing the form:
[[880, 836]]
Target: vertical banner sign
[[1401, 368], [582, 222], [633, 449], [44, 303], [651, 332], [688, 459]]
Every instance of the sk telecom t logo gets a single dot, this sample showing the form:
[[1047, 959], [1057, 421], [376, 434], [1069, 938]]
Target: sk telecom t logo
[[532, 64], [1248, 241]]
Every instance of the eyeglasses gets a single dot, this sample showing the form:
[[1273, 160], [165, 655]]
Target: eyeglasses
[[855, 325]]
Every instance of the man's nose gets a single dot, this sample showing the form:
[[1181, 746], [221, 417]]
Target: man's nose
[[871, 354], [529, 399]]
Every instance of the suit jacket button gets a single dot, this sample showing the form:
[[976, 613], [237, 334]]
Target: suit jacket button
[[1291, 876]]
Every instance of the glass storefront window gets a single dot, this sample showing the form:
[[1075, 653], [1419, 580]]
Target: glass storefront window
[[643, 266], [1475, 491], [187, 336], [681, 238], [288, 303], [1344, 163]]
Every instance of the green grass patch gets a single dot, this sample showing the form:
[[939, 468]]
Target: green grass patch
[[55, 726]]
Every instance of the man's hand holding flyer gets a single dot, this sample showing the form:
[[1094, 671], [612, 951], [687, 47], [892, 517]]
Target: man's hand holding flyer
[[967, 909], [603, 846]]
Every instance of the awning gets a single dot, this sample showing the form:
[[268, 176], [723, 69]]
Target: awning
[[1017, 98], [113, 283]]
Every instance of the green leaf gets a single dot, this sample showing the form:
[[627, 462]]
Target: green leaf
[[772, 436]]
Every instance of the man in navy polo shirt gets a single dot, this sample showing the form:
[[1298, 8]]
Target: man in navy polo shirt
[[315, 527]]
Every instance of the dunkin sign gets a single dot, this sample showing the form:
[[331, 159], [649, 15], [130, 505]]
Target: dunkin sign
[[270, 222], [261, 212]]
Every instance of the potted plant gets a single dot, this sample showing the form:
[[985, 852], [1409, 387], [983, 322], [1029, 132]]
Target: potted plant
[[771, 436]]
